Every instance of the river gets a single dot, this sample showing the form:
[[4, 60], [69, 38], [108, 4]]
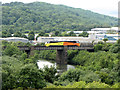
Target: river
[[61, 68]]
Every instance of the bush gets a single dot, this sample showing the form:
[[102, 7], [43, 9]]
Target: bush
[[11, 50], [97, 85], [30, 76]]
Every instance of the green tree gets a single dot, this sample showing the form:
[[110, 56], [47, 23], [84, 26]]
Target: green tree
[[31, 76], [72, 33], [57, 33], [23, 56], [17, 34], [24, 36], [105, 39], [31, 32], [115, 48], [8, 34], [84, 34], [98, 47], [49, 74], [31, 35], [41, 33], [46, 34], [11, 50]]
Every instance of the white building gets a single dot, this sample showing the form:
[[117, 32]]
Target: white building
[[15, 39], [111, 37], [105, 30], [81, 39]]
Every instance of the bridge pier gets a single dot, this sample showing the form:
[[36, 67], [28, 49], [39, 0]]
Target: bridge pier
[[61, 57], [32, 51]]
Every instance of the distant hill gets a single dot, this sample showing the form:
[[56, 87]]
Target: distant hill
[[39, 16]]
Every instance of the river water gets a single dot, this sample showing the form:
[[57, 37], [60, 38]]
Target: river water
[[61, 68]]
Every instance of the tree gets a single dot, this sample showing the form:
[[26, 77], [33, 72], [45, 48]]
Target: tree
[[31, 76], [31, 32], [105, 39], [11, 50], [84, 34], [115, 48], [118, 41], [49, 74], [57, 33], [72, 33], [24, 36], [41, 33], [98, 47], [8, 34], [31, 35], [23, 56], [46, 34], [17, 34], [4, 34]]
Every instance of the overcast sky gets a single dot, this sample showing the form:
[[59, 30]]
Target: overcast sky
[[107, 7]]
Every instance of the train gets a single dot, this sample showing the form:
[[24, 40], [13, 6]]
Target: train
[[62, 43]]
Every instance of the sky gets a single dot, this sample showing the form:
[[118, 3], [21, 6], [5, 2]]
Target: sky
[[106, 7]]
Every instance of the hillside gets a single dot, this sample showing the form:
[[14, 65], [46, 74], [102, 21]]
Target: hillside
[[39, 16]]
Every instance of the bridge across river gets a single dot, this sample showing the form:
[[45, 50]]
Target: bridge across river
[[61, 55], [55, 48]]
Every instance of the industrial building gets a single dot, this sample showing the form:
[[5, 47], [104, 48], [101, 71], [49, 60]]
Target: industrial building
[[15, 39]]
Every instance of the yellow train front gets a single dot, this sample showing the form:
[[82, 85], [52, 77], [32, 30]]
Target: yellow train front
[[62, 43]]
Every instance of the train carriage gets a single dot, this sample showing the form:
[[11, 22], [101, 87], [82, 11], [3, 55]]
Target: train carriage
[[62, 43]]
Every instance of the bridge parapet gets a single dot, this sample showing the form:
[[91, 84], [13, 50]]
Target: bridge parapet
[[79, 48], [55, 48], [24, 47], [47, 48]]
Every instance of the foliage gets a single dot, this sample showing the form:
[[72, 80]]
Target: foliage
[[40, 16], [71, 75], [31, 35], [102, 46], [71, 55], [99, 69], [6, 34], [105, 39], [48, 54], [15, 74], [84, 34], [107, 76], [71, 34], [10, 72], [30, 76], [115, 48], [98, 47], [17, 34], [97, 85], [51, 76], [23, 56], [116, 85], [78, 75], [82, 84], [11, 50]]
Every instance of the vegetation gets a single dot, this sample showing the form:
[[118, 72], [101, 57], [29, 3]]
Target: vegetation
[[84, 34], [44, 17], [19, 70], [83, 84], [99, 69]]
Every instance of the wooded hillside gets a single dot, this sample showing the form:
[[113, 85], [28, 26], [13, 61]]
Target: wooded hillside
[[39, 16]]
